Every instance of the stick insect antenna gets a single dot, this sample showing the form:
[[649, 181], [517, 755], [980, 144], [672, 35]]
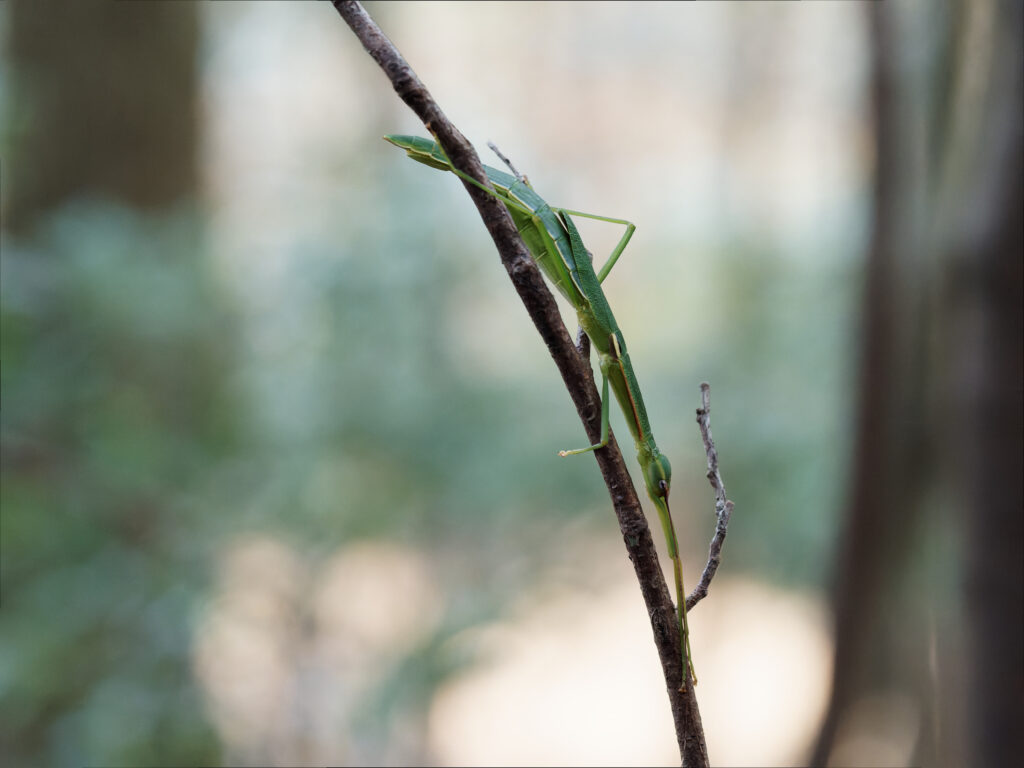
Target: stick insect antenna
[[506, 161]]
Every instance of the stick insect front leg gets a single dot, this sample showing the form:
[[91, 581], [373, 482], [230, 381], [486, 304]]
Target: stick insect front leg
[[619, 248], [623, 241], [582, 340]]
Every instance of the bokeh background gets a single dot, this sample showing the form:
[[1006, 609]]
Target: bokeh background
[[279, 472]]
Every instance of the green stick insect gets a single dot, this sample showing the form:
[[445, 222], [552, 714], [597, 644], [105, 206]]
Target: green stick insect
[[554, 242]]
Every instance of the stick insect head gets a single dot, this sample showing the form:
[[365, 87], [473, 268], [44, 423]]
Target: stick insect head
[[421, 150], [658, 476]]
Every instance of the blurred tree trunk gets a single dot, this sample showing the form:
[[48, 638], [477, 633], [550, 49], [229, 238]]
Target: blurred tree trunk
[[985, 371], [889, 459], [104, 103], [937, 680]]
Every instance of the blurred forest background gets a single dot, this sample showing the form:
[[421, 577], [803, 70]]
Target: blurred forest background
[[279, 472]]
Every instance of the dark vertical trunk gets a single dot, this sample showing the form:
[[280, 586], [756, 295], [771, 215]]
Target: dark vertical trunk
[[993, 465], [986, 375], [104, 103], [889, 459], [939, 422]]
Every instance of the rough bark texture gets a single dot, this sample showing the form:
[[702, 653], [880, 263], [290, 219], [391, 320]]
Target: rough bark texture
[[576, 374]]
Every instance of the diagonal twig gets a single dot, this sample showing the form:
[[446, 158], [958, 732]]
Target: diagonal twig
[[574, 370], [723, 507]]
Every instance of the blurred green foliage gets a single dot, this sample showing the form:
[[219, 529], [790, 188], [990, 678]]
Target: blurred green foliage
[[114, 349], [139, 436], [780, 370], [140, 432]]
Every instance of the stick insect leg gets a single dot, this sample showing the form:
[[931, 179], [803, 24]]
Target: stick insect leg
[[623, 241], [616, 252], [604, 421]]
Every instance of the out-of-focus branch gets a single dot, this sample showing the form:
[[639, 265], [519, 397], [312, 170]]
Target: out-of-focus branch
[[575, 372], [723, 507]]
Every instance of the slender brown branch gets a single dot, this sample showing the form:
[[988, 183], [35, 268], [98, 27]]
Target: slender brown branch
[[575, 373], [582, 343], [723, 507]]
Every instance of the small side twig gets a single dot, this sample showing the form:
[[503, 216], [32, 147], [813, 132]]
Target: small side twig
[[723, 507]]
